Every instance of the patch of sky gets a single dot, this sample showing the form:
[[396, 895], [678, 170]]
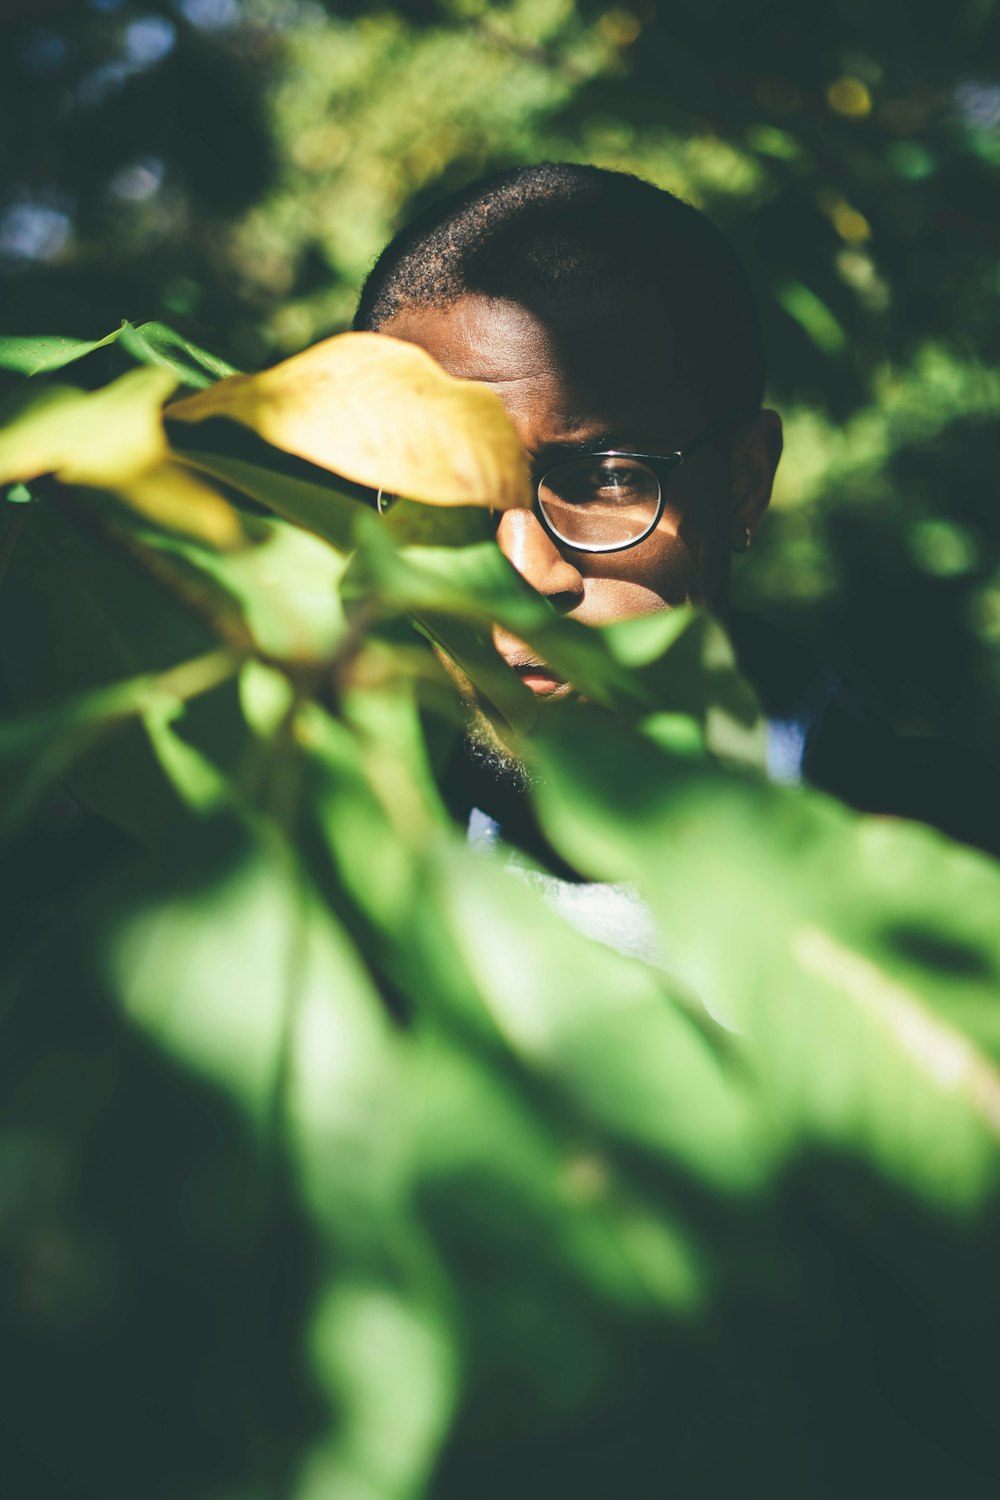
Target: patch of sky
[[978, 103], [100, 83], [210, 15], [32, 231], [148, 40], [42, 52], [138, 180]]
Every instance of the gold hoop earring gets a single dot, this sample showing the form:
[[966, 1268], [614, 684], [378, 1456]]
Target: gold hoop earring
[[742, 544]]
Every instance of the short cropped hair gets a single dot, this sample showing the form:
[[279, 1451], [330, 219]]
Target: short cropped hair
[[557, 229]]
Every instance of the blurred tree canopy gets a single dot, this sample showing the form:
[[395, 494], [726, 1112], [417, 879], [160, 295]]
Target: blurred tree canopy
[[235, 165]]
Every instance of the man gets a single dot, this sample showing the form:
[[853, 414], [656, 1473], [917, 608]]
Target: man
[[608, 316], [619, 330]]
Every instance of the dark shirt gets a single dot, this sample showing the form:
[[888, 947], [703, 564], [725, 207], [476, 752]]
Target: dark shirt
[[823, 731]]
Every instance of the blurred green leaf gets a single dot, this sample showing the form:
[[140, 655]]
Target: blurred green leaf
[[319, 507], [156, 344], [42, 353], [813, 315], [278, 594], [846, 1050], [76, 617]]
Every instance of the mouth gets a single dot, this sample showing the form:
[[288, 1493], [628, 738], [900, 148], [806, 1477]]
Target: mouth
[[538, 677]]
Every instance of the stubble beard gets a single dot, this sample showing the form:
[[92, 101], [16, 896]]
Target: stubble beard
[[490, 754]]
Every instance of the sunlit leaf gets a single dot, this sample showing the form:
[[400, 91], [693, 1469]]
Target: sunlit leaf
[[848, 1052], [266, 695], [40, 353], [813, 316], [197, 782], [390, 1363], [156, 344], [278, 594], [381, 413], [113, 439], [600, 1027], [98, 438], [172, 496], [679, 661]]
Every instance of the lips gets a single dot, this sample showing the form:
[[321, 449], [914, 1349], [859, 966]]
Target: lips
[[538, 677]]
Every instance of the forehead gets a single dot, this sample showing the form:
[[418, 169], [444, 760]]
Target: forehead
[[563, 369]]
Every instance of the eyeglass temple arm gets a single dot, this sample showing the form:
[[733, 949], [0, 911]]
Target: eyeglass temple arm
[[705, 437]]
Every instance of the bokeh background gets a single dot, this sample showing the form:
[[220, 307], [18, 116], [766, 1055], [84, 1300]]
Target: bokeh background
[[233, 167]]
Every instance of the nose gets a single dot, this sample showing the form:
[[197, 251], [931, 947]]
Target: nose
[[524, 542]]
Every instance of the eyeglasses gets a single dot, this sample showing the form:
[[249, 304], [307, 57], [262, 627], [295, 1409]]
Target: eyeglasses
[[605, 502]]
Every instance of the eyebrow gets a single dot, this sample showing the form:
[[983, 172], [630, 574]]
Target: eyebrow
[[598, 442]]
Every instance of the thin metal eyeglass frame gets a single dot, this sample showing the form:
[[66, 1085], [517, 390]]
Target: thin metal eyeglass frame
[[667, 461]]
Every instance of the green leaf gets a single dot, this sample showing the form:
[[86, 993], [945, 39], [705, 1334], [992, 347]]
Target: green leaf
[[813, 316], [477, 586], [849, 1050], [600, 1028], [677, 660], [319, 506], [685, 662], [266, 696], [156, 344], [39, 354], [279, 594], [198, 783], [77, 616], [390, 1363]]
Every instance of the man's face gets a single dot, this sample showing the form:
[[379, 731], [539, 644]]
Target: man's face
[[592, 375]]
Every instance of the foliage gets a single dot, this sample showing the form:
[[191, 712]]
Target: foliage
[[335, 1161], [237, 164]]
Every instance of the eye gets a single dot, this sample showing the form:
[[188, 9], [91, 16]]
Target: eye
[[602, 482], [384, 501]]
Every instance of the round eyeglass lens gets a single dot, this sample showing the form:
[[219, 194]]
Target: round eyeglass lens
[[599, 502]]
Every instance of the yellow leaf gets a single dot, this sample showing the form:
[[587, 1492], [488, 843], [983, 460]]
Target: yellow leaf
[[113, 439], [382, 413], [101, 438], [850, 97], [173, 497]]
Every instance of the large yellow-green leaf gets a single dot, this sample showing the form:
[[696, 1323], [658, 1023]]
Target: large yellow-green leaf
[[98, 438], [381, 413], [173, 497], [113, 439]]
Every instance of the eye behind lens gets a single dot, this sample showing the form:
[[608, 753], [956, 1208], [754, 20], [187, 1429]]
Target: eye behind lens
[[600, 502]]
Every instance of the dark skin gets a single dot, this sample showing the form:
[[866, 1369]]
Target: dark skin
[[587, 375]]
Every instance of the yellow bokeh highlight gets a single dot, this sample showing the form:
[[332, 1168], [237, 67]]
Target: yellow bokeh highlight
[[851, 225], [620, 27], [850, 97]]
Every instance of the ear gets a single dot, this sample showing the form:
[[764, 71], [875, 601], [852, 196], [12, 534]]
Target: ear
[[753, 460]]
